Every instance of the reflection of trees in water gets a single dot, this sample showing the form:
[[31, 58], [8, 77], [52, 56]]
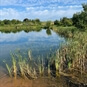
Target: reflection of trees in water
[[48, 31], [27, 30]]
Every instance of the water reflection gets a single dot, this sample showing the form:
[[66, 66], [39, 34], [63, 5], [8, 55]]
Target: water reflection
[[48, 31], [39, 42]]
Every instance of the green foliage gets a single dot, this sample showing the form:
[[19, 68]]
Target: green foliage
[[66, 21], [26, 20], [14, 21], [58, 23], [66, 31], [84, 7], [37, 21], [63, 22], [1, 23], [80, 19], [48, 23], [7, 22]]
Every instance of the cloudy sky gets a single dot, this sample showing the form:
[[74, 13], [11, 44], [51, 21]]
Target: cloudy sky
[[42, 9]]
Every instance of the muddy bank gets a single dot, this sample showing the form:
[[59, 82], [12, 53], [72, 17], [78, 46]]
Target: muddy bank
[[64, 80], [39, 82]]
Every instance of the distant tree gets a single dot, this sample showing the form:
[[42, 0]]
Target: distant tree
[[66, 21], [33, 21], [18, 21], [14, 21], [26, 20], [56, 22], [7, 22], [37, 20], [1, 23], [48, 23]]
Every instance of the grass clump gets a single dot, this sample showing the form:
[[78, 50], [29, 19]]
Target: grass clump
[[21, 67]]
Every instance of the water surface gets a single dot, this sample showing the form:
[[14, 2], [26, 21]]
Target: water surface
[[40, 43]]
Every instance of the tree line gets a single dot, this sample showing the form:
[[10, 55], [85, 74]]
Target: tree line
[[15, 21], [78, 20]]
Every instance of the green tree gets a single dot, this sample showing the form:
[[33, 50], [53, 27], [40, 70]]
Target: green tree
[[14, 21], [84, 7], [1, 23], [66, 21], [7, 22], [48, 23], [26, 20], [80, 19], [56, 22], [37, 21]]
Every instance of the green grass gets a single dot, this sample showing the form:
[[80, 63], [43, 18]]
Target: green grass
[[65, 31], [18, 28]]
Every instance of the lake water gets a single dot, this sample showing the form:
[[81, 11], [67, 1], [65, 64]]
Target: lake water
[[41, 43]]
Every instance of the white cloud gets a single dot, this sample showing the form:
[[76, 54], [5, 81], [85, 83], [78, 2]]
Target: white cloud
[[48, 13], [9, 13], [43, 9], [40, 2], [32, 36], [8, 2]]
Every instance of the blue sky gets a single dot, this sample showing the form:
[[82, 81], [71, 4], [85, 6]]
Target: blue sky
[[42, 9]]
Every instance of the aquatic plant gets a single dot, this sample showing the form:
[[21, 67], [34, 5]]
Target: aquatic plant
[[40, 66], [57, 63], [9, 70], [14, 67]]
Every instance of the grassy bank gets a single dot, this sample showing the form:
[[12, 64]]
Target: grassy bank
[[72, 57], [17, 28], [65, 31]]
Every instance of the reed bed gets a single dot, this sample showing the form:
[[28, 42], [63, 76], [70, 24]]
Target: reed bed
[[27, 67]]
